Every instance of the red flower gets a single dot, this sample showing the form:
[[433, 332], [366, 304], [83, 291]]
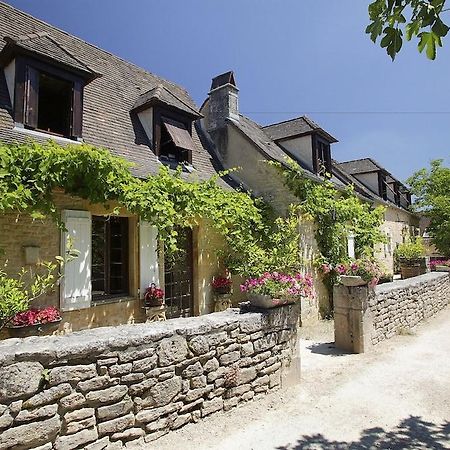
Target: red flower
[[220, 282], [36, 316]]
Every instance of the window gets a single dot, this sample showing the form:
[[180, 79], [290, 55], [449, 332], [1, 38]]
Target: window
[[48, 99], [382, 185], [54, 105], [109, 257], [321, 156]]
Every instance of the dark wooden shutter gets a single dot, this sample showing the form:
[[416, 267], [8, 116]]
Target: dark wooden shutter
[[77, 109], [31, 99]]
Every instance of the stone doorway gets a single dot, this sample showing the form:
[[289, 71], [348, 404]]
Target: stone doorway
[[178, 278]]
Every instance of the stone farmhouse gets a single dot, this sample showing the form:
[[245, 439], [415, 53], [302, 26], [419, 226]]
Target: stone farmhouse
[[100, 99], [240, 142]]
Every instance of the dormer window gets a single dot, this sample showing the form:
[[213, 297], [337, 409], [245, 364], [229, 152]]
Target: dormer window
[[321, 156], [45, 84], [382, 185], [167, 121]]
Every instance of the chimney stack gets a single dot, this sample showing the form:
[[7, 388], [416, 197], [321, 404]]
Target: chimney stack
[[223, 101]]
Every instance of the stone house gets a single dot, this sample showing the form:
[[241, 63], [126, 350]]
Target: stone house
[[240, 142], [56, 86]]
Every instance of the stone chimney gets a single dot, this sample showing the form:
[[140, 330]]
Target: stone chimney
[[222, 101]]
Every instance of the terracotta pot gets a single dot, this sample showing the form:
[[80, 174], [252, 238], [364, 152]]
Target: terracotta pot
[[32, 330], [154, 302], [267, 302], [352, 280]]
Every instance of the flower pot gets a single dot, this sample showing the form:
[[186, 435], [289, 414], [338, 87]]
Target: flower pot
[[267, 302], [352, 280], [22, 331], [154, 302], [222, 290]]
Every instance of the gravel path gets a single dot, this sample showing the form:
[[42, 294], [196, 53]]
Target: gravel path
[[395, 397]]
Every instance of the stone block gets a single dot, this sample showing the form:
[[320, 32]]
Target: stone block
[[198, 382], [199, 345], [76, 440], [105, 396], [172, 350], [210, 406], [116, 425], [150, 415], [96, 383], [78, 414], [20, 380], [215, 339], [73, 401], [247, 349], [136, 354], [28, 415], [6, 420], [229, 358], [193, 370], [30, 435], [99, 444], [246, 375], [76, 426], [230, 403], [116, 410], [127, 435], [164, 392], [68, 374], [181, 421], [140, 388], [211, 365], [120, 369], [145, 364], [132, 378], [47, 396]]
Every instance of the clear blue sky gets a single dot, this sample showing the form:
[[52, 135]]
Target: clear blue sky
[[290, 57]]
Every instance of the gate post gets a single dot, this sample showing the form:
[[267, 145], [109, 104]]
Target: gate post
[[353, 322]]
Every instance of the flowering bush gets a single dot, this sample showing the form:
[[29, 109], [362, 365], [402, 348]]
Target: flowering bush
[[437, 262], [153, 296], [367, 269], [221, 282], [36, 316], [279, 285]]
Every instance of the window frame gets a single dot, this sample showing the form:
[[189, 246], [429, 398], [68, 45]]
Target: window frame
[[319, 156], [99, 298], [158, 115], [26, 95]]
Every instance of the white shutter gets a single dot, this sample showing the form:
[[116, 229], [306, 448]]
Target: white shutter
[[76, 290], [148, 256]]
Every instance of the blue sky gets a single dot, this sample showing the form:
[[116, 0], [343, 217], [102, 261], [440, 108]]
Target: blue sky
[[290, 57]]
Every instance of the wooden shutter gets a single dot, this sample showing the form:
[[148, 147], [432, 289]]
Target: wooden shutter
[[76, 290], [77, 109], [148, 256], [32, 97]]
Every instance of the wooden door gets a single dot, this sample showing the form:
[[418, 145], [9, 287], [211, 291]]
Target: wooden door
[[178, 278]]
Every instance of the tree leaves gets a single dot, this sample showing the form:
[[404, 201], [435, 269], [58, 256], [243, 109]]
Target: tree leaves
[[419, 19]]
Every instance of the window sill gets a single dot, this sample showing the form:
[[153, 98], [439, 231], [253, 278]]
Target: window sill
[[107, 301], [41, 134]]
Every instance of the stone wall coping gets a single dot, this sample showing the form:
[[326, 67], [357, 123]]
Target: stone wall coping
[[106, 339], [410, 282]]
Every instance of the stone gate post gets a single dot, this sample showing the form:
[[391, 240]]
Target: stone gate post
[[352, 318]]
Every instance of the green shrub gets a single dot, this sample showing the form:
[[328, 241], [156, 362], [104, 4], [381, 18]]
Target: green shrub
[[410, 250]]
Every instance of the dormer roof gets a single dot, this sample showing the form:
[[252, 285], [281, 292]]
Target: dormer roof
[[160, 94], [43, 46]]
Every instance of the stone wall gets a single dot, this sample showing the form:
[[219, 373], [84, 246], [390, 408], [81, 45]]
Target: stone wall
[[405, 303], [364, 317], [102, 388]]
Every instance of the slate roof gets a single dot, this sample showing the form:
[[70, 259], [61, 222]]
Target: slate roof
[[363, 165], [163, 95], [295, 127], [108, 120], [43, 44]]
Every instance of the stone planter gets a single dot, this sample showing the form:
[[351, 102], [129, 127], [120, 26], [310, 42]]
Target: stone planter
[[442, 268], [267, 302], [32, 330], [352, 280]]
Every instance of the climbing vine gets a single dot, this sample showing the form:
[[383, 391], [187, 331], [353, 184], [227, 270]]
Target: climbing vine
[[30, 173], [336, 213]]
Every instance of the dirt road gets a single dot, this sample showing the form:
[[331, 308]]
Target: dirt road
[[396, 397]]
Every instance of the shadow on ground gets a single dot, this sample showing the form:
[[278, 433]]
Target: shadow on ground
[[411, 433], [326, 348]]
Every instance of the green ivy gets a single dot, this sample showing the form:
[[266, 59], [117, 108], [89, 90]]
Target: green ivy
[[336, 213]]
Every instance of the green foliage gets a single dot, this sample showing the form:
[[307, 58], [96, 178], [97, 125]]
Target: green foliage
[[336, 213], [410, 250], [257, 242], [16, 294], [432, 190], [421, 19]]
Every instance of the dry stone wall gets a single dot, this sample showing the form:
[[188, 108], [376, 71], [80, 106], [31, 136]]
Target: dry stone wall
[[405, 303], [122, 386]]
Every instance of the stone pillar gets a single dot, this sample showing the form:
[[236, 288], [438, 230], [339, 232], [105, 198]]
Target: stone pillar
[[352, 318]]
